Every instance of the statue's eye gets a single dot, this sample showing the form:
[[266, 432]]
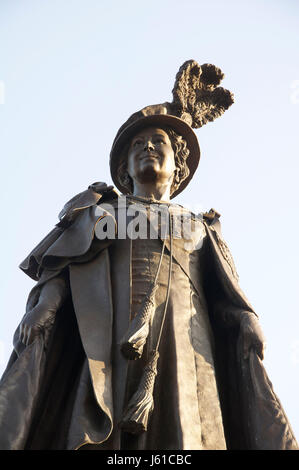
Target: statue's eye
[[159, 140], [137, 143]]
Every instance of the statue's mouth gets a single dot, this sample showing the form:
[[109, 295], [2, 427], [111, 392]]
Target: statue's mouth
[[150, 156]]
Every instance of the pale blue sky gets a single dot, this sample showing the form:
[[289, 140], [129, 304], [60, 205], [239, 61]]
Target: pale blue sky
[[73, 71]]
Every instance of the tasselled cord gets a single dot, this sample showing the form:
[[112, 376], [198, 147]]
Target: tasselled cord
[[168, 284], [136, 415]]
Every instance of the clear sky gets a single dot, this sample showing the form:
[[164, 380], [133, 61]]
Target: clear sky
[[71, 72]]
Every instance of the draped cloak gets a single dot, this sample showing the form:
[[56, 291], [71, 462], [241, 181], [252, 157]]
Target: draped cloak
[[57, 393]]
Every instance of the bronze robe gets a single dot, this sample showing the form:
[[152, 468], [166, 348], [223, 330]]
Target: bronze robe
[[58, 392]]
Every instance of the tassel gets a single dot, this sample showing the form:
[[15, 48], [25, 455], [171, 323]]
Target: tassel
[[134, 340], [140, 406]]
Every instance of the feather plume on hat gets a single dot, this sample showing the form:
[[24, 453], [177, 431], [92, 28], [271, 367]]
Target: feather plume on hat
[[197, 99]]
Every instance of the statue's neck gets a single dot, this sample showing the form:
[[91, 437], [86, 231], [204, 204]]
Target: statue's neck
[[155, 193]]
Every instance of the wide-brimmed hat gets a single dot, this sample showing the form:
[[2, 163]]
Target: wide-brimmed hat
[[197, 99]]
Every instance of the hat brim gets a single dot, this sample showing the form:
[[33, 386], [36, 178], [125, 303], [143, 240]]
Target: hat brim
[[177, 124]]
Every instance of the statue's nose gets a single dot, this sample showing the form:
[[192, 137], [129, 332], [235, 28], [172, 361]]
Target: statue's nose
[[148, 145]]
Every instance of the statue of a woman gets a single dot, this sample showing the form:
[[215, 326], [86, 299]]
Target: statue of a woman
[[141, 342]]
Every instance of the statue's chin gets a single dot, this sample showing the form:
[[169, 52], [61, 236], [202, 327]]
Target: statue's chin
[[149, 173]]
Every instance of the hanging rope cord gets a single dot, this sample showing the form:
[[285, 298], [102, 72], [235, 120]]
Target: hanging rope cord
[[168, 283], [136, 416], [160, 263]]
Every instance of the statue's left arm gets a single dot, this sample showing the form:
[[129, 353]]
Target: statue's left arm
[[231, 309]]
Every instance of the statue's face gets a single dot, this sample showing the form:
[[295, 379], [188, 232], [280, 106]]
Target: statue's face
[[151, 157]]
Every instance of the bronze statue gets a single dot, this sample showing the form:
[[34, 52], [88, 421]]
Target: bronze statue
[[141, 342]]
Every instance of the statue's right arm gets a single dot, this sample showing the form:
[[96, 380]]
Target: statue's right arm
[[42, 315]]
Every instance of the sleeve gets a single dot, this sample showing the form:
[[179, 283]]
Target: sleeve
[[228, 303]]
